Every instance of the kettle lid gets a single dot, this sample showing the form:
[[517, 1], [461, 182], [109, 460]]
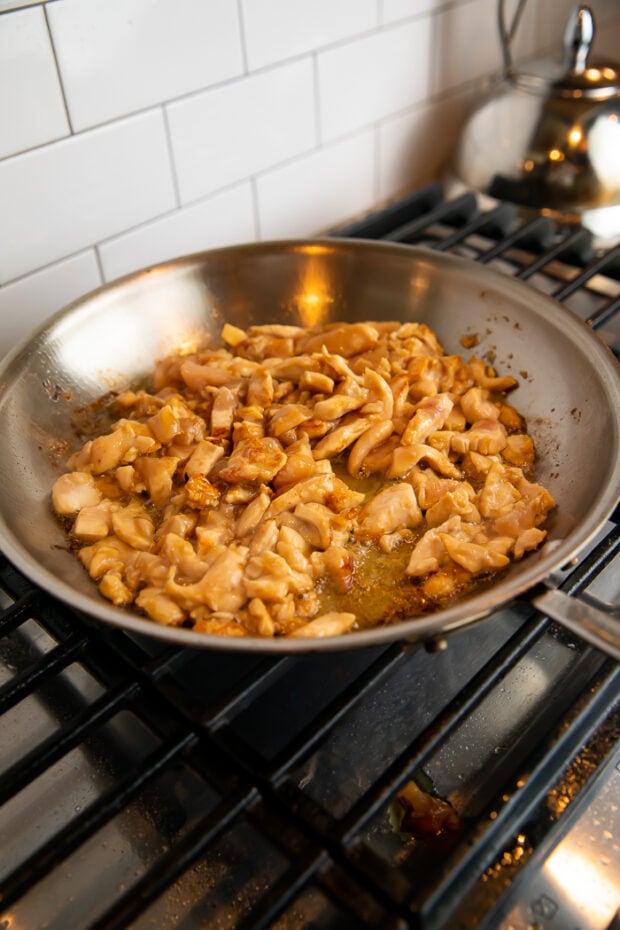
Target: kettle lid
[[576, 76]]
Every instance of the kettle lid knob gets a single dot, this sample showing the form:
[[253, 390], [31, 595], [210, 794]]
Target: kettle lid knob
[[578, 37]]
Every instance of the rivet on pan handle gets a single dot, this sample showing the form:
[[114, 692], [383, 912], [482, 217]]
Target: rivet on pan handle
[[587, 617]]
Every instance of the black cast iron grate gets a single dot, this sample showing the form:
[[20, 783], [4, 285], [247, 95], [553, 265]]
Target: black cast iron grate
[[148, 786]]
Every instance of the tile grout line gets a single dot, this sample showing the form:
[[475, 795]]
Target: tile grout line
[[58, 71]]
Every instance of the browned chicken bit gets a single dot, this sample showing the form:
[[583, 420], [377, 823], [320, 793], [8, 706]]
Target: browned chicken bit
[[304, 482]]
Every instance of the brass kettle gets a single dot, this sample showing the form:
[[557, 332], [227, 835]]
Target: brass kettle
[[548, 137]]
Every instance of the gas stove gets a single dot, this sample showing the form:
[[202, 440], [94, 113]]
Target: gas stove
[[143, 785]]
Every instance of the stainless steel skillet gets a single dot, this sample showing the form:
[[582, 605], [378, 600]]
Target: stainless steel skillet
[[569, 392]]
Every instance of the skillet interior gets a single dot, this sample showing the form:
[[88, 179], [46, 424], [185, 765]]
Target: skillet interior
[[569, 391]]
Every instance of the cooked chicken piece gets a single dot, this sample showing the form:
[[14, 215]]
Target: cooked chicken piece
[[485, 436], [205, 455], [181, 524], [393, 508], [265, 537], [329, 624], [344, 340], [380, 400], [256, 461], [177, 551], [133, 526], [73, 491], [126, 441], [511, 419], [288, 417], [93, 523], [294, 548], [335, 407], [341, 437], [164, 425], [404, 458], [498, 496], [260, 388], [474, 558], [430, 415], [109, 554], [519, 450], [157, 474], [263, 621], [317, 523], [476, 405], [233, 335], [367, 442], [316, 382], [316, 489], [160, 606], [201, 493], [338, 563], [220, 588], [253, 513], [114, 588], [217, 623], [527, 540], [458, 502], [299, 464], [486, 377], [222, 411], [429, 487], [269, 577]]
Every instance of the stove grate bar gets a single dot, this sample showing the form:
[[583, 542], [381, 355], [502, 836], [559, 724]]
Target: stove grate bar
[[440, 730], [535, 234], [547, 769], [89, 821], [604, 313], [15, 614], [174, 862], [58, 744], [55, 662], [377, 224], [461, 210], [499, 220], [604, 263], [308, 738], [575, 244]]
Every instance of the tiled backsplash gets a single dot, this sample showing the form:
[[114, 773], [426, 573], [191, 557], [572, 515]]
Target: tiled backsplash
[[132, 131]]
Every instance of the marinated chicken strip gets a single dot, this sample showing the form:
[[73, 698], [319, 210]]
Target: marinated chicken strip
[[205, 455], [334, 623], [314, 489], [254, 460], [93, 523], [220, 588], [404, 458], [498, 496], [485, 436], [253, 513], [74, 491], [459, 502], [380, 400], [393, 508], [335, 407], [476, 405], [474, 558], [341, 437], [430, 415], [367, 442], [486, 378], [346, 341]]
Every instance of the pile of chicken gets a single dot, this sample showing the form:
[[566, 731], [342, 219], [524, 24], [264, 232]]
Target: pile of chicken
[[255, 477]]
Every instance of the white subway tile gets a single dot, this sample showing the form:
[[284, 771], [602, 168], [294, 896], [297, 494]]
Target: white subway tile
[[279, 29], [31, 106], [416, 147], [66, 196], [223, 219], [26, 303], [465, 44], [319, 191], [17, 4], [373, 77], [120, 56], [392, 10], [231, 132]]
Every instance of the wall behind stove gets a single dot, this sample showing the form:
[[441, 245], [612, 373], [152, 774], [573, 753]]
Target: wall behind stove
[[135, 130]]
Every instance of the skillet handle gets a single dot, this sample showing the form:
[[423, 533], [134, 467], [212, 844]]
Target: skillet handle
[[588, 618]]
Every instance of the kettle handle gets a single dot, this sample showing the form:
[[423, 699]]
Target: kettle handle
[[578, 37], [507, 31]]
